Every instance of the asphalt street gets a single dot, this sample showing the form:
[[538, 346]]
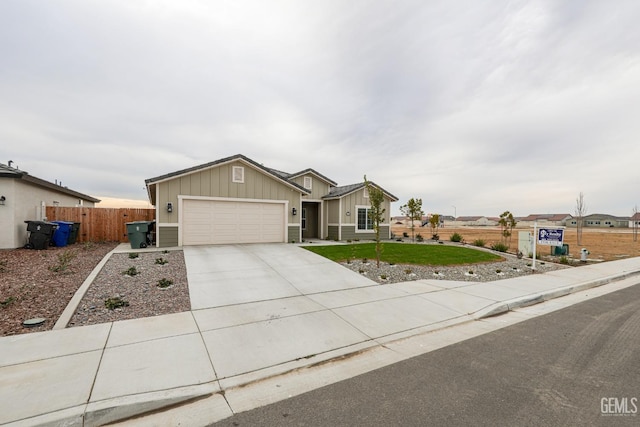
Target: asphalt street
[[576, 366]]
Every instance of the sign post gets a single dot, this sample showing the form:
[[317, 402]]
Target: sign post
[[548, 236]]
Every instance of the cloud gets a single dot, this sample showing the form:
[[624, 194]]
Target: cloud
[[487, 107]]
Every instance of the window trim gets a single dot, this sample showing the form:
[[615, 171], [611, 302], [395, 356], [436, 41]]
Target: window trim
[[368, 220], [309, 180], [303, 219], [234, 177]]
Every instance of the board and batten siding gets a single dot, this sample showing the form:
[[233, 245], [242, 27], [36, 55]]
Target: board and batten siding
[[167, 236], [319, 188], [350, 201], [217, 182]]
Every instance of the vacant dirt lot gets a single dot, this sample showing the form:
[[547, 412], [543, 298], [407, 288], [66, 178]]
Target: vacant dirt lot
[[603, 244]]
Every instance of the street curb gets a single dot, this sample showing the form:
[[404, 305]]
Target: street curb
[[70, 309], [506, 306]]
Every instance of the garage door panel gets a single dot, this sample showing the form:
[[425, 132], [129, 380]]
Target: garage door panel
[[224, 222]]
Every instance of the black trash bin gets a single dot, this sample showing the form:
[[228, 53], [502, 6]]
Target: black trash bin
[[73, 234], [40, 234]]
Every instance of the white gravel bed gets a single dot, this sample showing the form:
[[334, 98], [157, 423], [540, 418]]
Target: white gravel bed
[[141, 291], [486, 272]]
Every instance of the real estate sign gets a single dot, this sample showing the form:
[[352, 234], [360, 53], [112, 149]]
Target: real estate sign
[[550, 236]]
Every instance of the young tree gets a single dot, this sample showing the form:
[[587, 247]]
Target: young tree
[[376, 199], [581, 211], [434, 223], [635, 219], [413, 210], [507, 223]]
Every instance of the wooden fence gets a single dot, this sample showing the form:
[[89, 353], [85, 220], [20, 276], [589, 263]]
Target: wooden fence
[[100, 224]]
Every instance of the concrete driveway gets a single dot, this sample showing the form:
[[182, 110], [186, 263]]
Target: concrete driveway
[[239, 274]]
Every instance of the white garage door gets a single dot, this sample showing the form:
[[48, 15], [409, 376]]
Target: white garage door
[[210, 222]]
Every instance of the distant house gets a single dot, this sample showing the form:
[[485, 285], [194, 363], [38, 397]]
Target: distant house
[[602, 220], [24, 197], [478, 221], [634, 221], [544, 220]]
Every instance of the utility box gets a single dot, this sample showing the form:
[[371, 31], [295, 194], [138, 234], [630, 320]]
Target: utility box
[[560, 250], [525, 243]]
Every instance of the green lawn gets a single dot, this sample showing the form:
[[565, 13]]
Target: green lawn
[[398, 253]]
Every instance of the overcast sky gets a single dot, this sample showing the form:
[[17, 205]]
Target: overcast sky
[[484, 106]]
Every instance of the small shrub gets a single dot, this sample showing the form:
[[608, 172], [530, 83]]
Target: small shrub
[[435, 237], [419, 237], [164, 283], [408, 271], [165, 251], [479, 243], [471, 272], [133, 255], [498, 271], [436, 272], [405, 234], [456, 237], [361, 271], [161, 261], [7, 301], [500, 247], [131, 271], [88, 245], [116, 302], [383, 276], [64, 261], [356, 240], [564, 260], [348, 261], [3, 265], [365, 261]]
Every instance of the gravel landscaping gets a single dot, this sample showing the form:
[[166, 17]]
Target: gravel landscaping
[[487, 272], [134, 285]]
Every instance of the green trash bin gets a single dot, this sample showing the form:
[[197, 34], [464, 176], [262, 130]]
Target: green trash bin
[[560, 250], [139, 233]]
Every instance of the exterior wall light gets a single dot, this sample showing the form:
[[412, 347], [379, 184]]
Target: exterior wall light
[[169, 207], [2, 200], [294, 211], [348, 213]]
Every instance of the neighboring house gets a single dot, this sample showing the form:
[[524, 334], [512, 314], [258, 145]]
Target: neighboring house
[[24, 197], [475, 221], [634, 221], [237, 200], [543, 220], [601, 220]]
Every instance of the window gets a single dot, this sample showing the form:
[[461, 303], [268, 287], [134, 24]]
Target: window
[[238, 174], [304, 218], [308, 182], [364, 220]]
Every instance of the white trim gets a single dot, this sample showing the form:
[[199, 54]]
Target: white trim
[[156, 215], [304, 182], [182, 198], [355, 223], [240, 170]]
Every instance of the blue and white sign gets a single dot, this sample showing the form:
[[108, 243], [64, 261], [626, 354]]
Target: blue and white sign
[[550, 236]]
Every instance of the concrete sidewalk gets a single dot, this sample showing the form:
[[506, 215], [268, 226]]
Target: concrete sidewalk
[[98, 374]]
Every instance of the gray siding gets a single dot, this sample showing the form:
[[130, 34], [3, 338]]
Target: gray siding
[[349, 233], [167, 236], [332, 232], [293, 234]]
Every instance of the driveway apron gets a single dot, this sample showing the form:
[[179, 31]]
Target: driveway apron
[[239, 274]]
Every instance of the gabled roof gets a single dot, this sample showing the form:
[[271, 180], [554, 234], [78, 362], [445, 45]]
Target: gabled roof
[[597, 216], [469, 218], [548, 217], [338, 192], [9, 172], [278, 175], [313, 172]]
